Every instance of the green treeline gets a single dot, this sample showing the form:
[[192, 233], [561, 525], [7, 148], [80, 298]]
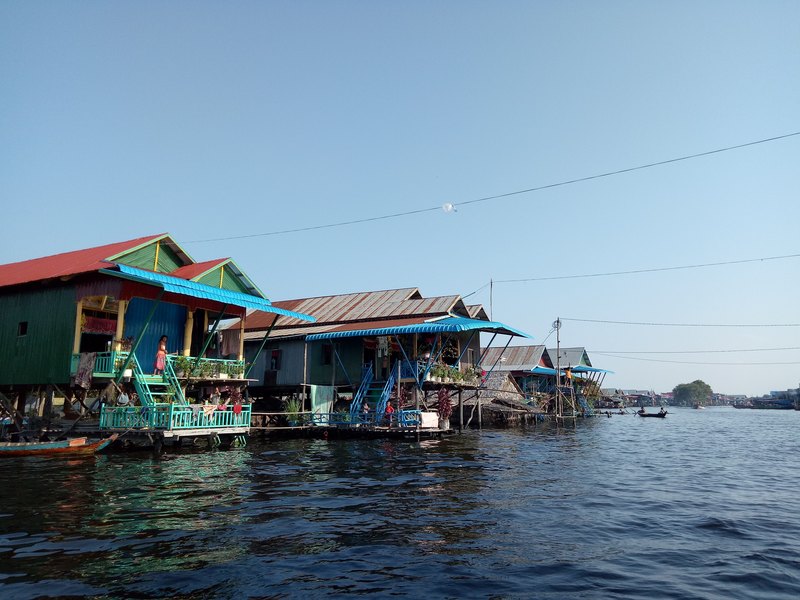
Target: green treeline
[[689, 394]]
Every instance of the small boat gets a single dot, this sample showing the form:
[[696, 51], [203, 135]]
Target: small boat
[[659, 415], [75, 446]]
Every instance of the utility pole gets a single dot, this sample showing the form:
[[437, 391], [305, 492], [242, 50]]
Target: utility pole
[[559, 407]]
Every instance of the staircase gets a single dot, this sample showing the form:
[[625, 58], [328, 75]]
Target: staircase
[[375, 393], [157, 389], [587, 409]]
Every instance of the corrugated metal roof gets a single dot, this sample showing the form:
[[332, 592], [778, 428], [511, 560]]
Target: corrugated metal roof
[[339, 308], [476, 311], [445, 325], [198, 269], [68, 263], [568, 357], [184, 287], [517, 358]]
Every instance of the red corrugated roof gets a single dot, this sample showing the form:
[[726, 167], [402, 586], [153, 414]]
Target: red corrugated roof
[[67, 263], [192, 271]]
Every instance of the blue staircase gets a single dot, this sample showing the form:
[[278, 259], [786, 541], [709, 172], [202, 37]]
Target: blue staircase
[[585, 405], [375, 393]]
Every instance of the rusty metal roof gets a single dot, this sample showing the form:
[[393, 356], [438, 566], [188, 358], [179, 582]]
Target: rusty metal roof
[[517, 358], [568, 357], [360, 306], [69, 263]]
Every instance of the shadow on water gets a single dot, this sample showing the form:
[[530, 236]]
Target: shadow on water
[[611, 508]]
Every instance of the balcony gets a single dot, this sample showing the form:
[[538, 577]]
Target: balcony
[[108, 364]]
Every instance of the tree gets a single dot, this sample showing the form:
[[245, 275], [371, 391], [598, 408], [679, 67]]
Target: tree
[[689, 394]]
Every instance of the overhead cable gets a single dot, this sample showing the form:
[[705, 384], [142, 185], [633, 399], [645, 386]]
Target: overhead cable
[[681, 324], [691, 362], [499, 196], [653, 270], [610, 352]]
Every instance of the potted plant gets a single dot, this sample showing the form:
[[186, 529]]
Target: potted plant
[[183, 366], [292, 408]]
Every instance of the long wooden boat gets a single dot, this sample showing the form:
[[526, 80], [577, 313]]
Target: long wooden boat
[[75, 446], [656, 415]]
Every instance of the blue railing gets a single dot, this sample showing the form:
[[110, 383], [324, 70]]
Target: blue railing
[[171, 417], [380, 409], [358, 397]]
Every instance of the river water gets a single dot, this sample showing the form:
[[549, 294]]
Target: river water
[[702, 504]]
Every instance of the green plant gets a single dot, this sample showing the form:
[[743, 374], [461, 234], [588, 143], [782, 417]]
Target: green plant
[[292, 407], [183, 364]]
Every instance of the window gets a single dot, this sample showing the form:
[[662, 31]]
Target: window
[[275, 360], [22, 328], [327, 354]]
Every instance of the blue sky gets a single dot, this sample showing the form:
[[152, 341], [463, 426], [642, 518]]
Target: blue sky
[[212, 119]]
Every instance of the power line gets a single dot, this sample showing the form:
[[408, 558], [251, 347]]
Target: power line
[[690, 362], [682, 324], [612, 352], [653, 270], [499, 196]]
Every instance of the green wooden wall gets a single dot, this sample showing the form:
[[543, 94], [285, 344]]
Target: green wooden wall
[[43, 354], [144, 258], [229, 281]]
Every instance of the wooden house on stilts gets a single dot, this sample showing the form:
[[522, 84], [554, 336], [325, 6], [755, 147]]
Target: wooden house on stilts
[[368, 350], [86, 325]]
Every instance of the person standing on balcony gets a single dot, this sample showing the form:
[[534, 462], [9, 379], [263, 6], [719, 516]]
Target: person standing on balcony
[[161, 356]]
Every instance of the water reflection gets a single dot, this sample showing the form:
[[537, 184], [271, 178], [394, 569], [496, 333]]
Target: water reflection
[[562, 511]]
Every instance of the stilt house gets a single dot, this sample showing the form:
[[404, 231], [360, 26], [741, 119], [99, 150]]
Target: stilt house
[[79, 322], [369, 347]]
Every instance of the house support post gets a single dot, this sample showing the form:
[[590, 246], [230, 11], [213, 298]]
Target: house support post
[[76, 340], [187, 333], [460, 412], [120, 325], [241, 336]]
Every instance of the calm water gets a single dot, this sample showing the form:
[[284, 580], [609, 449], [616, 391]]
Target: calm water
[[702, 504]]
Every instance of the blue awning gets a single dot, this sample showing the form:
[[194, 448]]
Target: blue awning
[[538, 370], [450, 324], [585, 369], [184, 287]]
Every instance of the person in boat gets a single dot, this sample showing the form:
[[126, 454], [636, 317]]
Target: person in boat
[[662, 411], [642, 410]]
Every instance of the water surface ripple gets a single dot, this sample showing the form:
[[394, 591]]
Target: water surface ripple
[[698, 505]]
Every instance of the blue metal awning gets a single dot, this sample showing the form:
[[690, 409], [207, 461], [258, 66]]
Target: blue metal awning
[[585, 369], [184, 287], [450, 324], [539, 370]]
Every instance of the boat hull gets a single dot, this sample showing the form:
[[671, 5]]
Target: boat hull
[[77, 447]]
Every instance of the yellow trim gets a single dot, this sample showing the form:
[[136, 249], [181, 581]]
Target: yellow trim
[[76, 341], [120, 325], [221, 275], [158, 247], [241, 337], [187, 333]]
